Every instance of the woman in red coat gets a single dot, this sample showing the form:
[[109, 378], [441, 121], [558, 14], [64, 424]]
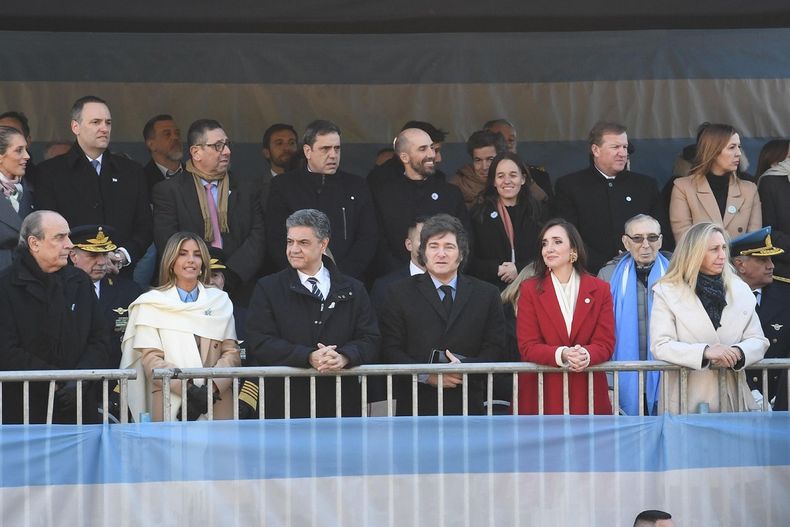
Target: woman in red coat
[[565, 319]]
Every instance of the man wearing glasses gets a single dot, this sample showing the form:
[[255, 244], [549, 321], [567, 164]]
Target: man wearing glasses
[[631, 277], [208, 200]]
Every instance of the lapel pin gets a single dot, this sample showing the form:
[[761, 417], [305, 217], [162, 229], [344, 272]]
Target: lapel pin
[[494, 215], [115, 180], [208, 312], [731, 209], [628, 198], [777, 327], [586, 300], [434, 196]]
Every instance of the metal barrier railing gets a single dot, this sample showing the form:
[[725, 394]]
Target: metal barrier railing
[[80, 376], [415, 370]]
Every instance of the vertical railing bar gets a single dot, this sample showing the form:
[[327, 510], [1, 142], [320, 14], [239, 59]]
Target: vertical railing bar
[[684, 403], [287, 397], [616, 393], [766, 401], [440, 394], [312, 397], [26, 402], [261, 402], [414, 394], [723, 390], [640, 395], [590, 394], [540, 393], [364, 387], [565, 395], [338, 396], [389, 395], [235, 388], [105, 401], [79, 401], [489, 394], [166, 403], [50, 401], [184, 401], [465, 397], [210, 398], [124, 409], [515, 393]]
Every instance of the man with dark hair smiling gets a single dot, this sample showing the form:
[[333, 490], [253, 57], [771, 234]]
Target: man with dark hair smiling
[[442, 316]]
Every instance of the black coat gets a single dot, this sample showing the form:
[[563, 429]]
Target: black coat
[[176, 208], [415, 323], [68, 184], [491, 246], [115, 295], [344, 198], [379, 293], [399, 201], [774, 312], [599, 208], [285, 323], [775, 198], [49, 322]]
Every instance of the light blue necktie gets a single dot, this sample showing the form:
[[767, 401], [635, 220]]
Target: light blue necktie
[[96, 166]]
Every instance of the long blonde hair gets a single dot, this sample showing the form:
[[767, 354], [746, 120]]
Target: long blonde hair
[[689, 253], [511, 293], [167, 277]]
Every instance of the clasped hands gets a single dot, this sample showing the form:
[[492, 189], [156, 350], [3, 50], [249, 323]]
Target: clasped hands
[[577, 358], [327, 358], [449, 380], [721, 355], [507, 272]]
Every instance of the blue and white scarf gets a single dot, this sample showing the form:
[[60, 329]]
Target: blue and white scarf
[[624, 296]]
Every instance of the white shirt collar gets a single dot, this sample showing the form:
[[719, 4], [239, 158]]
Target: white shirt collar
[[322, 276], [414, 270]]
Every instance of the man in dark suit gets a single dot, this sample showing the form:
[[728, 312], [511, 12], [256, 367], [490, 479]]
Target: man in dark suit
[[91, 185], [92, 247], [311, 316], [600, 198], [378, 293], [162, 137], [752, 258], [321, 185], [442, 315], [208, 200]]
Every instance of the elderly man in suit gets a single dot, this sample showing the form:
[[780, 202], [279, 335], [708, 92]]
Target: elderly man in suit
[[91, 185], [210, 201], [442, 316]]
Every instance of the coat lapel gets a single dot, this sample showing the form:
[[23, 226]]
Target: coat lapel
[[462, 296], [188, 194], [734, 199], [9, 216], [708, 200], [584, 305], [425, 286], [550, 304]]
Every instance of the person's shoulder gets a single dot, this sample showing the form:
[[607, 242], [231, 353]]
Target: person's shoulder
[[481, 286], [594, 281], [683, 182], [122, 162]]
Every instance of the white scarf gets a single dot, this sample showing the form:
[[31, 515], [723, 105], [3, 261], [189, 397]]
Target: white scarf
[[566, 297], [160, 320]]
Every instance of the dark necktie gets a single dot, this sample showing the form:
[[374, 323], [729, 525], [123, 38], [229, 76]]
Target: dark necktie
[[447, 301], [315, 291], [757, 296]]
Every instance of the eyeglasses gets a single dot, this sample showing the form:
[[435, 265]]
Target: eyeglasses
[[219, 146], [640, 239]]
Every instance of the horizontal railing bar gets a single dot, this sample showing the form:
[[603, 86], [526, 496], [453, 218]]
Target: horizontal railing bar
[[66, 375], [408, 369]]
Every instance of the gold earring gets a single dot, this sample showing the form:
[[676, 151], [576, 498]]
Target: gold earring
[[574, 257]]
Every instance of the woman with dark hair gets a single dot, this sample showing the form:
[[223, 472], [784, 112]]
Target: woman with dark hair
[[704, 315], [18, 198], [181, 324], [565, 319], [505, 224], [713, 192], [773, 183]]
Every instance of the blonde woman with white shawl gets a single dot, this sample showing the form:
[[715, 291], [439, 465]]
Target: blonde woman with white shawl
[[181, 324]]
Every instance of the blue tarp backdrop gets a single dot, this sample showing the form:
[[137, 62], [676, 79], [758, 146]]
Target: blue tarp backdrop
[[706, 469]]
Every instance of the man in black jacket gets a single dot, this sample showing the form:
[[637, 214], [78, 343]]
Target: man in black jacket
[[91, 185], [320, 185], [210, 201], [599, 199], [51, 321], [445, 316], [311, 316], [162, 137]]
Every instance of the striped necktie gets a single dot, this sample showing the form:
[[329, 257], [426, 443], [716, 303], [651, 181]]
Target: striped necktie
[[315, 291]]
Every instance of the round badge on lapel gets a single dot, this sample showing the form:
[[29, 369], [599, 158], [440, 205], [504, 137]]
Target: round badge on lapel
[[586, 300], [731, 209], [434, 196], [628, 198], [494, 215]]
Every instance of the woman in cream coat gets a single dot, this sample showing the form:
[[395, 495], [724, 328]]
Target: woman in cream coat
[[181, 324], [703, 315], [713, 192]]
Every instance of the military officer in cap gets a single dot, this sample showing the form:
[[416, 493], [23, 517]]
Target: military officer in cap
[[92, 253], [751, 256]]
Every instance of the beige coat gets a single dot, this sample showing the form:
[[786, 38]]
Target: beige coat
[[213, 353], [693, 201], [680, 330]]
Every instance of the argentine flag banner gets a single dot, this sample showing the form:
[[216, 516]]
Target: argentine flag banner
[[706, 470]]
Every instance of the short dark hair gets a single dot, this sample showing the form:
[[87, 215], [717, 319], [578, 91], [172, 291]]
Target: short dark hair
[[79, 104], [277, 127], [444, 224], [197, 130], [437, 134], [315, 219], [650, 517], [574, 240], [602, 128], [20, 117], [484, 138], [148, 129], [319, 127], [494, 122]]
